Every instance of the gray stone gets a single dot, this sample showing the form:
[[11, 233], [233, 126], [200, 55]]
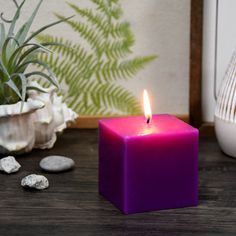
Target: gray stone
[[9, 165], [35, 181], [56, 163]]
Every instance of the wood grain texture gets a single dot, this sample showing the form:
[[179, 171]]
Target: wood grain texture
[[195, 106], [207, 129], [72, 205]]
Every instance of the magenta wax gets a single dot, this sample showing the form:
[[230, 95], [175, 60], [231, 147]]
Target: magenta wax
[[146, 167]]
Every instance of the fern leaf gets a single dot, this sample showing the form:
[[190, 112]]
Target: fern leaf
[[116, 30], [114, 1], [106, 97], [102, 6], [120, 30], [73, 52], [118, 49], [91, 35], [113, 70], [111, 11], [116, 97], [73, 62], [94, 19], [90, 74]]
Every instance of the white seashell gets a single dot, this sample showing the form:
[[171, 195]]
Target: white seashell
[[36, 126], [51, 119], [45, 136], [17, 127]]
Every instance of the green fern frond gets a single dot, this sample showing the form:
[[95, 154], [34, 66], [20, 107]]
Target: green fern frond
[[116, 30], [72, 52], [95, 19], [67, 71], [106, 97], [121, 30], [116, 97], [116, 12], [91, 74], [114, 1], [110, 8], [115, 70], [103, 7], [118, 49], [91, 35]]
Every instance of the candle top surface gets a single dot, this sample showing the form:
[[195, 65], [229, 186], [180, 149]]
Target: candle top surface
[[137, 126]]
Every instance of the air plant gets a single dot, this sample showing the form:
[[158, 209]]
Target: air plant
[[18, 53]]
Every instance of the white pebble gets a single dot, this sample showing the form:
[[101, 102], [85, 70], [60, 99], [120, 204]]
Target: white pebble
[[9, 165], [35, 181], [56, 163]]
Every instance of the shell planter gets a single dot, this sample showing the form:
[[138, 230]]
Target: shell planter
[[30, 115], [36, 125]]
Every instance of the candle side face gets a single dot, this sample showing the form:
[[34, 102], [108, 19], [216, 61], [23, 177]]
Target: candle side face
[[136, 125], [162, 172], [111, 166]]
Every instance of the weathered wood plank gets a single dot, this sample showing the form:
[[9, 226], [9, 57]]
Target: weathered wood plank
[[72, 206]]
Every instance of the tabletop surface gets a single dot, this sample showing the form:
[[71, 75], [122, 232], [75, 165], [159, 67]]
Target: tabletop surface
[[72, 205]]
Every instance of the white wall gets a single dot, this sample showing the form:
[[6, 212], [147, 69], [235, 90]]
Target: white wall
[[161, 27]]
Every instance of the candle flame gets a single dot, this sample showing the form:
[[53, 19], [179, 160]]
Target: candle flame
[[147, 107]]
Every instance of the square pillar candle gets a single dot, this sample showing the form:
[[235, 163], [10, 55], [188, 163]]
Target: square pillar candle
[[148, 166]]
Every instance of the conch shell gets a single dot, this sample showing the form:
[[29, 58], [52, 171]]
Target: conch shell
[[44, 115]]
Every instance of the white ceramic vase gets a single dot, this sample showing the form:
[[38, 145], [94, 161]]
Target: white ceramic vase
[[225, 112]]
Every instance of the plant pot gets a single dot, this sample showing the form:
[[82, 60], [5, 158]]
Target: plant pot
[[17, 127]]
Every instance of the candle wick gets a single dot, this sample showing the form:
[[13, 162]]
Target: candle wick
[[148, 120]]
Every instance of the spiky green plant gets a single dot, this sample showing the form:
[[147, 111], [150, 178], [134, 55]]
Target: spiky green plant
[[91, 72], [17, 53]]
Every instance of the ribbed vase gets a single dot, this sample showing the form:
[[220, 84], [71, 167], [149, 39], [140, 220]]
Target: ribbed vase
[[225, 112]]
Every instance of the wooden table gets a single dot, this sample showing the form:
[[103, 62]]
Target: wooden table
[[72, 206]]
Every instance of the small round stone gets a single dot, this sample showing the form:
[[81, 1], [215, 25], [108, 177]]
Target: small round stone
[[9, 165], [56, 163], [39, 182]]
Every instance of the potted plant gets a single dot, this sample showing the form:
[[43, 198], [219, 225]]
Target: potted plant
[[27, 116]]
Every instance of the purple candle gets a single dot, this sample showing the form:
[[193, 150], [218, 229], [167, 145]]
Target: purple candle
[[146, 164]]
